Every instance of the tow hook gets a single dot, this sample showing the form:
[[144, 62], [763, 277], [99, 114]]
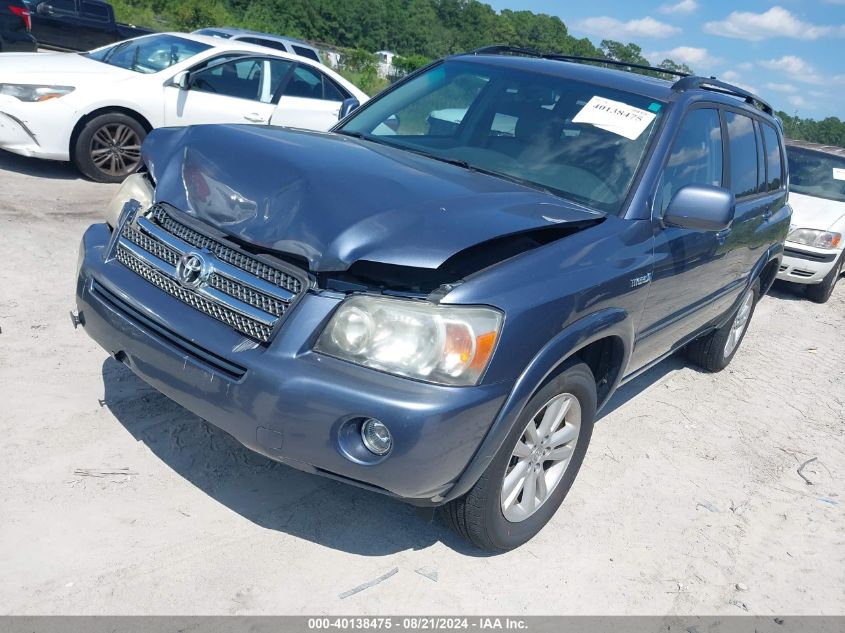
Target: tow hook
[[76, 319]]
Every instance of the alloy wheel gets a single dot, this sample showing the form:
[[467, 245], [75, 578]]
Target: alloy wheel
[[116, 149], [740, 323], [540, 458]]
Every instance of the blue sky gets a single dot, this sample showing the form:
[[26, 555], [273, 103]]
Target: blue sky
[[790, 52]]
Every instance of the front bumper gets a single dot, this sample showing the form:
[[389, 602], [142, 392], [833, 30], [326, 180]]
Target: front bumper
[[806, 265], [39, 130], [283, 400]]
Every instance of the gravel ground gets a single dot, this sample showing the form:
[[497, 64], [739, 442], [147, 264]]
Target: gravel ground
[[689, 500]]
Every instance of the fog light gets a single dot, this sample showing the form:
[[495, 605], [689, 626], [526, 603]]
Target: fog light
[[376, 437]]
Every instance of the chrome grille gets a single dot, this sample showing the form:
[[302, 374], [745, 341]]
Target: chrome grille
[[244, 293], [225, 253], [151, 246], [241, 323], [234, 288]]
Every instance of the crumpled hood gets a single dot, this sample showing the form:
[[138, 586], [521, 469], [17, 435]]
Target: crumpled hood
[[809, 212], [60, 69], [335, 200]]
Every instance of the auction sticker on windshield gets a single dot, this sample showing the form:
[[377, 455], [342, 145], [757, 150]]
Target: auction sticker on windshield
[[615, 116], [838, 173]]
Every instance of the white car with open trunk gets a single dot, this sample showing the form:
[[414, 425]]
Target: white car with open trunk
[[95, 108]]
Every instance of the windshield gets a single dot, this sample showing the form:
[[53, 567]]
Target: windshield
[[816, 174], [149, 54], [581, 141]]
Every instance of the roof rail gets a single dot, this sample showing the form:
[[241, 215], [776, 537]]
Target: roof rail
[[711, 83], [614, 62], [530, 52]]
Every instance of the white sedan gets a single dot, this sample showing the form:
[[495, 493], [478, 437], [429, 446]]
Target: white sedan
[[96, 108], [814, 253]]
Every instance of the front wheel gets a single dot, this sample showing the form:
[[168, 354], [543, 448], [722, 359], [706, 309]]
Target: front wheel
[[108, 148], [529, 477]]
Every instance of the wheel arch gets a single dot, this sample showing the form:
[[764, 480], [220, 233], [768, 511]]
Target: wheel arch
[[83, 121], [603, 340]]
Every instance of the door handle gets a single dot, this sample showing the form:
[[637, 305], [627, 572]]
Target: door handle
[[255, 117], [722, 236], [767, 214]]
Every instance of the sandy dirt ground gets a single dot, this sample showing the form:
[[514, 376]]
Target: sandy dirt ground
[[689, 500]]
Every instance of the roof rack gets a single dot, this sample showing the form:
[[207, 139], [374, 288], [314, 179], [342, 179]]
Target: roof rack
[[500, 49], [711, 83]]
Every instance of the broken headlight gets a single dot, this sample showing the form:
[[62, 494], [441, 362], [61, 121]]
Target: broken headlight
[[448, 345], [135, 187]]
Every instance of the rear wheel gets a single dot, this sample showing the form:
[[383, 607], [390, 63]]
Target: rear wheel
[[529, 477], [109, 147], [715, 351], [821, 292]]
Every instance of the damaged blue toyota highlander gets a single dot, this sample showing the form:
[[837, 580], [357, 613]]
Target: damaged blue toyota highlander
[[434, 299]]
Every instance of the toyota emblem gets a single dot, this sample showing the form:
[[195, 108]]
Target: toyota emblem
[[193, 270]]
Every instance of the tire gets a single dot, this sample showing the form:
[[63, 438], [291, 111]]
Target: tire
[[108, 148], [714, 351], [480, 516], [821, 292]]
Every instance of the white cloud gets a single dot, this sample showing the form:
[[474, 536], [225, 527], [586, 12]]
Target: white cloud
[[745, 66], [733, 77], [694, 57], [796, 68], [798, 101], [776, 22], [611, 28], [781, 87], [684, 6]]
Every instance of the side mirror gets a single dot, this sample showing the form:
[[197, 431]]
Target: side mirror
[[181, 80], [347, 107], [701, 208], [44, 8]]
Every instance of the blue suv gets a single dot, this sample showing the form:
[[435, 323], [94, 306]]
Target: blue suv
[[434, 299]]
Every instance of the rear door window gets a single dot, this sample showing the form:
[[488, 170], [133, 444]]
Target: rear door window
[[696, 157], [774, 160], [742, 144]]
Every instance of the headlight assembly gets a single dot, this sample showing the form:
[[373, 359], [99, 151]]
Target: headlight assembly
[[33, 93], [815, 238], [448, 345], [135, 187]]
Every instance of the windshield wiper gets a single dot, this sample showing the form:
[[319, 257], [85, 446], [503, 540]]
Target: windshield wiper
[[114, 50]]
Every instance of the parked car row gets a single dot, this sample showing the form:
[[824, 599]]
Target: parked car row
[[95, 109], [434, 299]]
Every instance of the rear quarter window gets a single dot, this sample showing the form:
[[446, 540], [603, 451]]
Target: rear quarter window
[[774, 159]]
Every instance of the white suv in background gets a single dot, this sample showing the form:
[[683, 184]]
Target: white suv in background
[[813, 254]]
